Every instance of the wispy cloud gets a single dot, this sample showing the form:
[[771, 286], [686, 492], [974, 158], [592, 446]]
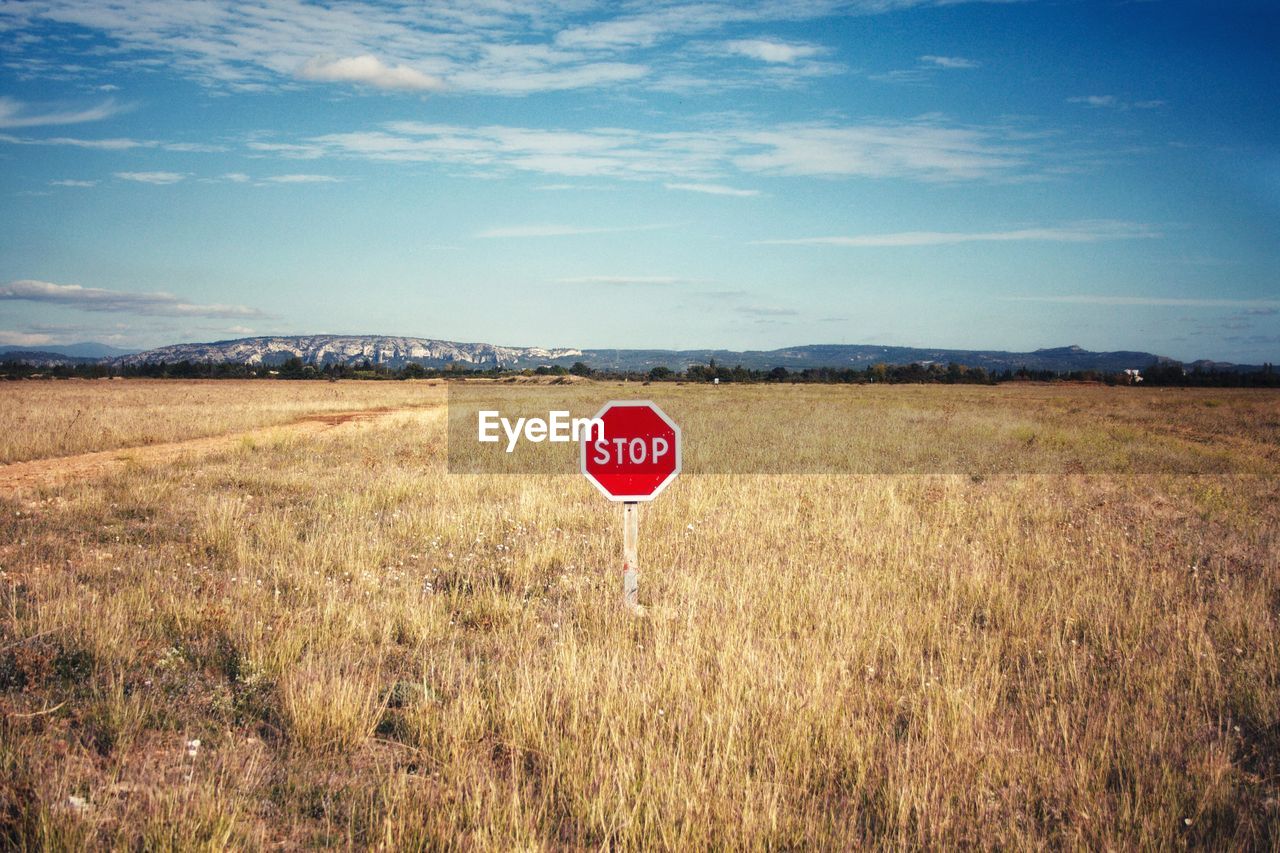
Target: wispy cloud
[[157, 178], [292, 151], [712, 189], [521, 231], [469, 47], [15, 113], [770, 50], [1114, 103], [113, 144], [302, 179], [570, 187], [926, 70], [369, 71], [1086, 232], [925, 149], [9, 337], [1153, 301], [525, 80], [950, 62], [99, 299], [192, 147], [71, 182], [99, 144]]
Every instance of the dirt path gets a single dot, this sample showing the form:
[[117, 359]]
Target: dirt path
[[20, 476]]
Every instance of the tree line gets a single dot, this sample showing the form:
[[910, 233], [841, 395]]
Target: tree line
[[1166, 373]]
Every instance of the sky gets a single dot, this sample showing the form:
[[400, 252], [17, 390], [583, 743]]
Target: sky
[[745, 175]]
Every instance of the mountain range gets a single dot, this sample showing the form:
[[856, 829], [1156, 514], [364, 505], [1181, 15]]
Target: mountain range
[[91, 350], [395, 352]]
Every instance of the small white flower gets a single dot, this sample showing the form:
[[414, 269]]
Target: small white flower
[[193, 748]]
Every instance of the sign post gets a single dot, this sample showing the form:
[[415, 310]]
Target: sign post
[[630, 558], [633, 458]]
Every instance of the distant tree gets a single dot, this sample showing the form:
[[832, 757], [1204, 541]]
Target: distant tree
[[660, 373], [581, 368]]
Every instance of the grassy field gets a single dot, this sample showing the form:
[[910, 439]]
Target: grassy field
[[372, 651], [43, 419]]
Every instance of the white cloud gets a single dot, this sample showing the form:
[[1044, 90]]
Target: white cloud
[[1113, 103], [157, 178], [611, 35], [1094, 100], [236, 177], [712, 189], [113, 144], [1085, 232], [15, 113], [370, 71], [98, 144], [769, 50], [286, 149], [71, 182], [921, 150], [302, 179], [926, 70], [99, 299], [493, 46], [23, 339], [950, 62], [526, 80], [192, 147]]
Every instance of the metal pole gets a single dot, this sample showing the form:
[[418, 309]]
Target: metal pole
[[630, 563]]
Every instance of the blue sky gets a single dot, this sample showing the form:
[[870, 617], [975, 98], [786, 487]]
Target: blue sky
[[748, 174]]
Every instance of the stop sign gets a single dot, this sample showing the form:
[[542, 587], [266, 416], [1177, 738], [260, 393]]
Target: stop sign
[[638, 455]]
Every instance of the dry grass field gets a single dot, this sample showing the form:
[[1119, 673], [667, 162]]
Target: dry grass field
[[328, 639], [43, 419]]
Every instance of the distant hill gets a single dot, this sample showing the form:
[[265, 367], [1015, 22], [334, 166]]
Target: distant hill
[[322, 350], [89, 349], [396, 352], [43, 358], [1059, 359]]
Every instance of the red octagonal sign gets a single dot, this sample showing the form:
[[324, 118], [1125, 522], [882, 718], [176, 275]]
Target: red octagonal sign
[[638, 455]]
